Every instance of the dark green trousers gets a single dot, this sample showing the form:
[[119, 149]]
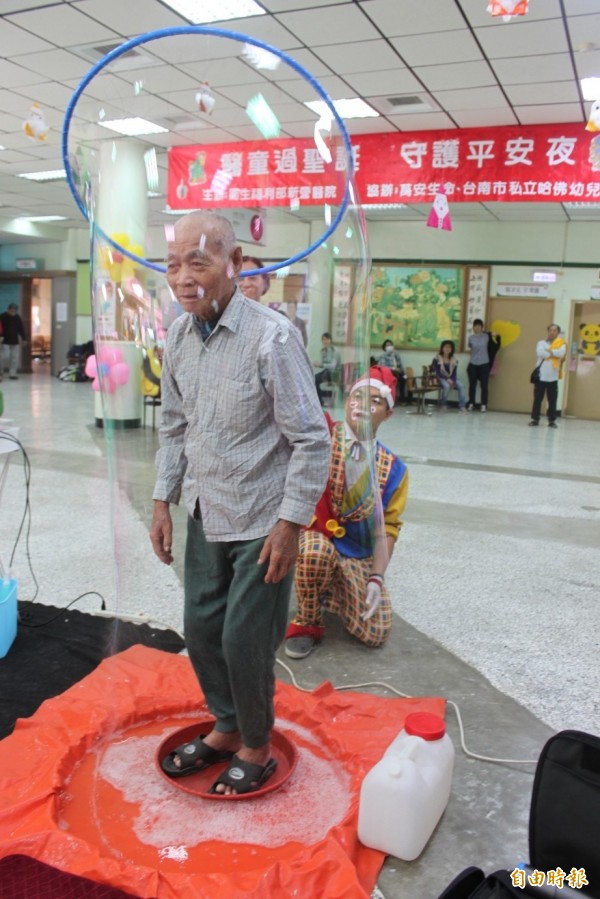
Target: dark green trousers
[[234, 623]]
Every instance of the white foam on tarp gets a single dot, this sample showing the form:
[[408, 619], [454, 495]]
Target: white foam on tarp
[[169, 818], [176, 853]]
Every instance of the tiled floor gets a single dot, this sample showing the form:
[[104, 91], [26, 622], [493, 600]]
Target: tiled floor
[[494, 582]]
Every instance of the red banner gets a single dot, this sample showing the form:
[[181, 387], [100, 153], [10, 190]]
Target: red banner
[[539, 163]]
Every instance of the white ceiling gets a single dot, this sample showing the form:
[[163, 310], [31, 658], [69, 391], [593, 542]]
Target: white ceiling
[[469, 68]]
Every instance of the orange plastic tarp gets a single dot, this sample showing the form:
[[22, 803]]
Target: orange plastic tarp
[[56, 806]]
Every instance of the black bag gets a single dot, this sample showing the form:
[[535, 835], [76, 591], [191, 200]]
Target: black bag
[[564, 823], [494, 345], [535, 374]]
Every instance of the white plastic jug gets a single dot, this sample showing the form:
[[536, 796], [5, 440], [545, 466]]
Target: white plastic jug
[[404, 795]]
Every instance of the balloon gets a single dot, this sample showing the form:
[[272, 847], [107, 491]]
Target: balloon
[[110, 355], [120, 373], [91, 369]]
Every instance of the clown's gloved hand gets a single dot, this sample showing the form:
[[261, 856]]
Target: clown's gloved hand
[[373, 597]]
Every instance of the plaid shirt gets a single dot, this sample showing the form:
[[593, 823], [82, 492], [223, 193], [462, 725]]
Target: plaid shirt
[[241, 430]]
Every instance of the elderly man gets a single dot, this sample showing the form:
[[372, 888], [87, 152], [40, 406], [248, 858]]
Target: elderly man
[[346, 550], [244, 438], [550, 354]]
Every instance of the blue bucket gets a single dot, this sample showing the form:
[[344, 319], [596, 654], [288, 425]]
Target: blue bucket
[[8, 614]]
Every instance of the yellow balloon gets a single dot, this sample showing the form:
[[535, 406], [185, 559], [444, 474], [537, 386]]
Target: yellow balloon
[[121, 238], [508, 331]]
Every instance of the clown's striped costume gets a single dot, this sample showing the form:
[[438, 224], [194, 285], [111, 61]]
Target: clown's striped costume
[[332, 571]]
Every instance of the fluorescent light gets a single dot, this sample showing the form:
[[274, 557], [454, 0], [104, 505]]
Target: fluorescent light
[[42, 218], [133, 127], [2, 148], [201, 12], [55, 175], [590, 88], [354, 108]]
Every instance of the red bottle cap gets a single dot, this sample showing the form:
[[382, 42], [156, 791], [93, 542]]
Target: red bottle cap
[[425, 725]]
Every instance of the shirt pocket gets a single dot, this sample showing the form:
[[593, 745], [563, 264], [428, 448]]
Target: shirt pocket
[[241, 406]]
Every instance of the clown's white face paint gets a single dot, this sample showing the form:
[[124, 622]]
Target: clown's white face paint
[[365, 410]]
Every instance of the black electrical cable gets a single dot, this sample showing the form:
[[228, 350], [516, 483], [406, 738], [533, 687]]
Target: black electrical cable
[[23, 617], [26, 517]]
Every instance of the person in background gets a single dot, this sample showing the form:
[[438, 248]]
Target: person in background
[[444, 367], [13, 334], [244, 440], [292, 312], [253, 286], [345, 552], [390, 358], [327, 365], [480, 363], [551, 354]]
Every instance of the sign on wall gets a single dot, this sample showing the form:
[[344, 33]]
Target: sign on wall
[[478, 281], [535, 163], [504, 289]]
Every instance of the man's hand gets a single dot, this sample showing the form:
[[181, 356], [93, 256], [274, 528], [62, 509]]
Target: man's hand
[[161, 531], [372, 600], [280, 549]]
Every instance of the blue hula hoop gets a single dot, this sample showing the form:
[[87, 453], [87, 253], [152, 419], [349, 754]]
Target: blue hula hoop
[[216, 32]]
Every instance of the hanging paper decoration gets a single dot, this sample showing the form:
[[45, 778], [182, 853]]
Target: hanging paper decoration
[[508, 8], [205, 99], [259, 58], [594, 119], [439, 217], [220, 183], [259, 111], [34, 125]]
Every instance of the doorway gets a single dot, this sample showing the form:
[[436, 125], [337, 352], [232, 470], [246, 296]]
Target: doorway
[[520, 323], [41, 325], [583, 387]]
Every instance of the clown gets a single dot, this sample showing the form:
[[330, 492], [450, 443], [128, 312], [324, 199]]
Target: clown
[[344, 553]]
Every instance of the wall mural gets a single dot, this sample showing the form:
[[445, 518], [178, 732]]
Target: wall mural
[[417, 306]]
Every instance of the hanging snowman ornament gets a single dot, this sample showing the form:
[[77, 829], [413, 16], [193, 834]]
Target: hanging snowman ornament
[[34, 125], [508, 8], [205, 99]]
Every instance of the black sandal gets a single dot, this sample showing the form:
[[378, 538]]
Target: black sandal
[[245, 777], [189, 755]]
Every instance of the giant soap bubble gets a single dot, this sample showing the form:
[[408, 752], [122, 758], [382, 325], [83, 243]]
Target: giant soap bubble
[[200, 118]]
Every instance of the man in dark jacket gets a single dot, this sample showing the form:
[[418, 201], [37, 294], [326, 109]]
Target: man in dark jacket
[[13, 334]]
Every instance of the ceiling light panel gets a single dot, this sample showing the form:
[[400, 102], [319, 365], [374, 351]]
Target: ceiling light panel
[[133, 127], [201, 12]]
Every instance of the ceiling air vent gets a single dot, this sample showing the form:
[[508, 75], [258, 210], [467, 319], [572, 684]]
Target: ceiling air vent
[[406, 100], [410, 103], [134, 58]]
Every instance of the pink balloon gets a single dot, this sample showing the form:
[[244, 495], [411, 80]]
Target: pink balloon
[[95, 384], [119, 373], [91, 368], [110, 355], [108, 385]]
